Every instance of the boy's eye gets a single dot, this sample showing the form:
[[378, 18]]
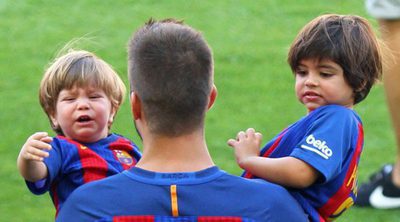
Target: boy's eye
[[95, 96], [326, 75], [301, 72], [67, 98]]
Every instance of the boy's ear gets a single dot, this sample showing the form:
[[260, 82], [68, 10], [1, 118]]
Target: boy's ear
[[112, 115], [136, 106], [53, 119], [213, 96]]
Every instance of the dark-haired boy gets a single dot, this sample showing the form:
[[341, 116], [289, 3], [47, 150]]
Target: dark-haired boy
[[335, 60]]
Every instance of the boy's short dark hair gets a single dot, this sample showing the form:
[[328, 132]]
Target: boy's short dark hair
[[170, 67], [349, 41]]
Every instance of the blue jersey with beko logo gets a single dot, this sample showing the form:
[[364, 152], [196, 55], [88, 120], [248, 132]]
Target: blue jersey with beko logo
[[330, 139]]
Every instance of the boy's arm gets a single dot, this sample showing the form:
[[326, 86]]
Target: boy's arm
[[30, 159], [286, 171]]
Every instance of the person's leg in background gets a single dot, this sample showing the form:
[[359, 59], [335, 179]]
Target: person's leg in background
[[390, 32], [383, 189]]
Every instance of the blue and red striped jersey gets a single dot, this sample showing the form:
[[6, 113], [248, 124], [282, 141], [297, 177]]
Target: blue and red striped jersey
[[330, 139], [183, 196], [71, 164], [152, 218]]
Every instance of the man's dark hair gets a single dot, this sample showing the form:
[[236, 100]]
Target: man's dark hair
[[170, 68], [347, 40]]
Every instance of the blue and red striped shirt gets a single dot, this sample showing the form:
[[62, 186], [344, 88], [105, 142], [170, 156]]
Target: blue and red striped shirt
[[71, 164], [152, 218], [206, 195], [330, 139]]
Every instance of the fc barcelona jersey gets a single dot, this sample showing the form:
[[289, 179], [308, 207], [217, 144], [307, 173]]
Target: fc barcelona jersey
[[207, 195], [330, 139], [71, 164]]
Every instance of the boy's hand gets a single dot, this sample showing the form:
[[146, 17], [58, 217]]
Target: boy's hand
[[246, 145], [34, 147]]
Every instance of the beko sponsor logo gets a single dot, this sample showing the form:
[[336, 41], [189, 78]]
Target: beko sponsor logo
[[317, 146]]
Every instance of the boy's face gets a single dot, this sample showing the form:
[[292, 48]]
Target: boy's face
[[322, 82], [84, 114]]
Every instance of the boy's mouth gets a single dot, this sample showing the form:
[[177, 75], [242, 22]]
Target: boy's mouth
[[309, 95], [84, 118]]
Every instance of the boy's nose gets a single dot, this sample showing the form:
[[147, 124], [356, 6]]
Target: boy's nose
[[311, 81], [83, 103]]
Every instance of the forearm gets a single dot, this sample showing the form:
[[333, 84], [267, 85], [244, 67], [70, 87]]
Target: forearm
[[286, 171], [32, 170]]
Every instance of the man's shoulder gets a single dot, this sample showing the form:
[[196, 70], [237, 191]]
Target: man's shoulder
[[101, 186]]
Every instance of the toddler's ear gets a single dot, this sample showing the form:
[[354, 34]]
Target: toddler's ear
[[53, 120], [112, 115], [111, 119]]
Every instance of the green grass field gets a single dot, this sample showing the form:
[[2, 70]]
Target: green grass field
[[250, 40]]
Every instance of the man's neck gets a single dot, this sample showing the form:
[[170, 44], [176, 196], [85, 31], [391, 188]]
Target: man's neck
[[187, 153]]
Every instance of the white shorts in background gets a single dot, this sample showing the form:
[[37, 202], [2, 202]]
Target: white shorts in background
[[383, 9]]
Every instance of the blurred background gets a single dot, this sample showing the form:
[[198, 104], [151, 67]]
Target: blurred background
[[250, 40]]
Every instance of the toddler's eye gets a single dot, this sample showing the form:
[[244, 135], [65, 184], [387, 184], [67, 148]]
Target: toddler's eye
[[301, 72], [326, 75], [95, 96], [67, 98]]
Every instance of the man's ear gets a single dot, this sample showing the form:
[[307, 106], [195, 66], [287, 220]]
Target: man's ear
[[213, 96], [136, 106]]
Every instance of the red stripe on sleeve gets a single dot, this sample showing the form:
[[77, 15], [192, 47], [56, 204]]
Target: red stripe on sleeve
[[274, 145], [55, 197], [267, 153], [133, 219], [219, 219], [340, 201]]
